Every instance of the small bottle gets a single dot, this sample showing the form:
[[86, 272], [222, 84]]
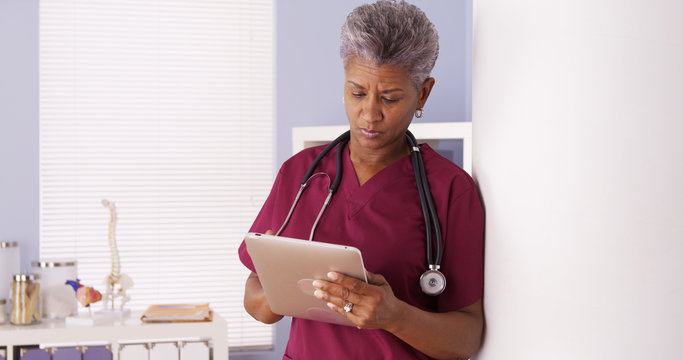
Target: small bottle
[[3, 311], [25, 293]]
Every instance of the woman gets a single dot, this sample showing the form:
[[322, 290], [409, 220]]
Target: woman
[[389, 49]]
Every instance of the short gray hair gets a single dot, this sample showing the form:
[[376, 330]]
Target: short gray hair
[[391, 32]]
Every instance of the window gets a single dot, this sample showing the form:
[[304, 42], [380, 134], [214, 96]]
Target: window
[[165, 108]]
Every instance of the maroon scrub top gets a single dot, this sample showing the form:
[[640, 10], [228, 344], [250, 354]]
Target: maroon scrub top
[[383, 219]]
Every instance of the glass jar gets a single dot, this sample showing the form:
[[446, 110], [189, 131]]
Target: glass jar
[[9, 265], [3, 311], [57, 299], [25, 296]]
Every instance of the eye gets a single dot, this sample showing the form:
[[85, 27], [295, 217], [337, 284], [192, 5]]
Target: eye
[[357, 94], [389, 101]]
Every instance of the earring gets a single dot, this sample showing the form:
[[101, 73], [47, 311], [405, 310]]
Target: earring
[[343, 100], [419, 113]]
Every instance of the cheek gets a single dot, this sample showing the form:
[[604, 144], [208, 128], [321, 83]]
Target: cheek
[[405, 114], [347, 109], [351, 110], [407, 109]]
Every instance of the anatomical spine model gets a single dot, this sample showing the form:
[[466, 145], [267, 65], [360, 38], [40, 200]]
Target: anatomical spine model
[[116, 282]]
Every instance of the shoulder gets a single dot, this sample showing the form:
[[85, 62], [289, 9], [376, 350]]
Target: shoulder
[[445, 174], [300, 161]]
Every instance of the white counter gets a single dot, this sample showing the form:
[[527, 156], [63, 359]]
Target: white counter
[[127, 330]]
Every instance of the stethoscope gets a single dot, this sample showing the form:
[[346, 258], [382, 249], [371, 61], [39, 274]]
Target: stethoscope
[[432, 281]]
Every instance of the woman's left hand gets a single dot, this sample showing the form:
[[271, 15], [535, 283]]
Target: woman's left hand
[[374, 303], [446, 335]]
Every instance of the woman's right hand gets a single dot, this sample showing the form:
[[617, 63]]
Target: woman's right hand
[[255, 299]]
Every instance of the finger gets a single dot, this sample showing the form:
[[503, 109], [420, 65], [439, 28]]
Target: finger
[[335, 293], [336, 300], [269, 232], [351, 283], [353, 318], [359, 312]]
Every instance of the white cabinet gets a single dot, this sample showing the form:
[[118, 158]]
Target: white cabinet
[[190, 340]]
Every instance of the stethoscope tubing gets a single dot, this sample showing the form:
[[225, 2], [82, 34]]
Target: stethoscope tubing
[[434, 249], [341, 140], [427, 204]]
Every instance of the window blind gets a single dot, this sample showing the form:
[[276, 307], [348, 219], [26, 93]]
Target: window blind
[[166, 109]]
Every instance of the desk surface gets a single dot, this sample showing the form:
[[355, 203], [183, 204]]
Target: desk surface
[[123, 330]]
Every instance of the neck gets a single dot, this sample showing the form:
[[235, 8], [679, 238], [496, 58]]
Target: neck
[[368, 162]]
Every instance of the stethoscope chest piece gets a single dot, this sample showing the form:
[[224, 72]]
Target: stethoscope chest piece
[[433, 282]]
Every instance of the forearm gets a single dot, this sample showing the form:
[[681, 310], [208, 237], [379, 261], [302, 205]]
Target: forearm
[[452, 335], [255, 302]]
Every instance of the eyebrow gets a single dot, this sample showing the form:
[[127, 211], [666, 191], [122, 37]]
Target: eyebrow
[[383, 91]]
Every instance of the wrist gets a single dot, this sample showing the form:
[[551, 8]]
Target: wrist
[[400, 318]]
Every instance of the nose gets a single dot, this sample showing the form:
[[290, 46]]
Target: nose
[[371, 110]]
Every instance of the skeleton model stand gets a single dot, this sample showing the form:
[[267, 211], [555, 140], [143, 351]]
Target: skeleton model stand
[[116, 282]]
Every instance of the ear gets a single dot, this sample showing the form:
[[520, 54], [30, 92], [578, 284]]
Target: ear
[[423, 92]]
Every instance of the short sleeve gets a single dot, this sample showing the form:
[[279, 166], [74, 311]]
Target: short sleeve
[[463, 262], [281, 197], [264, 220]]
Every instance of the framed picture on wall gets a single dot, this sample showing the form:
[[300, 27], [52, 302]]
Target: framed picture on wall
[[453, 140]]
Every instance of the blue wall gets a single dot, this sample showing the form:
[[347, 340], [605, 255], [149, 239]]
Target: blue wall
[[310, 75], [19, 126], [309, 80]]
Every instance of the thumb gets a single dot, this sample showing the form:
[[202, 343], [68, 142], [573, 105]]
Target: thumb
[[375, 279], [270, 232]]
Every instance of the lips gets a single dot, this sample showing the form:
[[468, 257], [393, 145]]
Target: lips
[[369, 134]]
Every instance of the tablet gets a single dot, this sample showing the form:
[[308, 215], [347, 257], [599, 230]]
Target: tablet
[[287, 268]]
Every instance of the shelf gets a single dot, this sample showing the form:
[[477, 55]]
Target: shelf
[[126, 330]]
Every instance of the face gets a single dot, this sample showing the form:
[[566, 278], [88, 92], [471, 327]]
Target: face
[[380, 102]]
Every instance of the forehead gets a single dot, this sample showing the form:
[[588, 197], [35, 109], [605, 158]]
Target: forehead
[[369, 75]]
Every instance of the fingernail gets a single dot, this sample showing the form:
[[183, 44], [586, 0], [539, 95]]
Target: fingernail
[[317, 284], [332, 276], [318, 294], [331, 306]]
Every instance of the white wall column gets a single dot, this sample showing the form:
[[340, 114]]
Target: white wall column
[[578, 151]]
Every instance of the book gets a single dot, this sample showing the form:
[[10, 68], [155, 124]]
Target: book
[[177, 313]]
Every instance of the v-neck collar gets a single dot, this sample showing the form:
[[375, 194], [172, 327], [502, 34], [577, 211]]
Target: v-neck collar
[[357, 196]]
